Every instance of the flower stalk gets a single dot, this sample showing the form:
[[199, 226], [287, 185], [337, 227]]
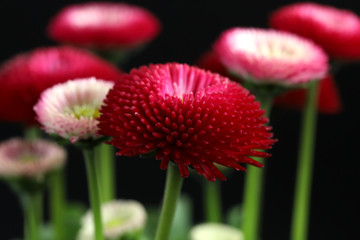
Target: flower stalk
[[299, 228], [171, 195], [57, 202], [30, 202], [107, 176], [94, 193], [253, 189], [212, 201]]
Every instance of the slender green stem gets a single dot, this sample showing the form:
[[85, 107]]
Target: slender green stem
[[212, 201], [171, 194], [299, 229], [253, 189], [94, 192], [31, 218], [57, 202], [106, 165]]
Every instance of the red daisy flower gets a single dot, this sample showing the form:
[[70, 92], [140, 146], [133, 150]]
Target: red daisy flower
[[24, 77], [336, 30], [190, 116], [329, 101], [104, 25]]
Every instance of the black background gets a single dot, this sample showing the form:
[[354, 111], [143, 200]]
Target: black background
[[189, 29]]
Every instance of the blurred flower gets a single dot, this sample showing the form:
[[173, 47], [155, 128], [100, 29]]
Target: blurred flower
[[215, 231], [336, 30], [71, 109], [24, 77], [211, 61], [270, 56], [104, 25], [329, 101], [120, 217], [188, 115], [21, 158]]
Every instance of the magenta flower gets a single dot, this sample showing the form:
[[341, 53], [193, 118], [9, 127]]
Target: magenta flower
[[270, 56], [20, 158], [337, 31], [71, 109], [187, 115], [24, 77], [104, 25]]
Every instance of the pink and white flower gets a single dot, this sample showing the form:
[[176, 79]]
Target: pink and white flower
[[270, 56], [71, 109], [30, 159]]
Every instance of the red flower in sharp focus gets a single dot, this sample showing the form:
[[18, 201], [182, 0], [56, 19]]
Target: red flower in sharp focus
[[188, 115], [329, 101], [104, 25], [335, 30], [24, 77]]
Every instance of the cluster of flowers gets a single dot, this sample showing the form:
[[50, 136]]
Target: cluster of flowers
[[187, 116]]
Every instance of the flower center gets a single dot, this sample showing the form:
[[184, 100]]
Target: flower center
[[83, 111], [28, 157], [116, 222]]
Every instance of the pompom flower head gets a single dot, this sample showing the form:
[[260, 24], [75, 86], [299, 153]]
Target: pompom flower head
[[71, 109], [120, 218], [335, 30], [270, 56], [104, 25], [187, 115], [24, 77], [23, 159]]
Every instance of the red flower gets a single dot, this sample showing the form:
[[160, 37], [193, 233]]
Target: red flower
[[104, 24], [336, 30], [188, 115], [24, 77], [329, 101]]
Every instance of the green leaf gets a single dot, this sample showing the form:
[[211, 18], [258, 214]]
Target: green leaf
[[234, 216]]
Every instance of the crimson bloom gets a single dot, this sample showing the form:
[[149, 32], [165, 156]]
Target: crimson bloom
[[270, 56], [335, 30], [329, 101], [104, 25], [24, 77], [188, 115]]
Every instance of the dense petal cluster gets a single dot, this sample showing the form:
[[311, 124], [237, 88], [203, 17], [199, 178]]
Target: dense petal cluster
[[71, 109], [329, 101], [337, 31], [188, 115], [270, 56], [104, 24], [21, 158], [24, 77], [119, 217]]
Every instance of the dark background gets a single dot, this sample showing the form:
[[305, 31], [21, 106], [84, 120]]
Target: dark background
[[189, 29]]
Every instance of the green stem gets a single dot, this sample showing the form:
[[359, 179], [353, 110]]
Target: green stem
[[299, 229], [94, 192], [171, 194], [32, 133], [31, 218], [57, 202], [106, 164], [253, 189], [212, 201]]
